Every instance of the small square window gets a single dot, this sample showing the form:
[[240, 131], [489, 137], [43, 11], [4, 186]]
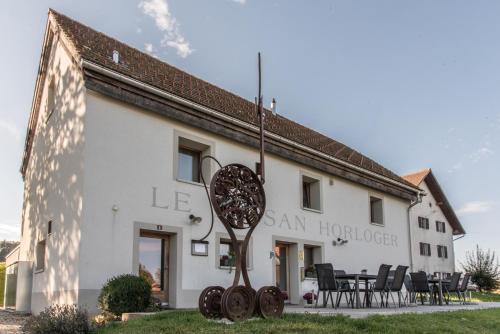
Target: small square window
[[40, 256], [311, 193], [189, 155], [227, 256], [442, 251], [440, 227], [423, 223], [425, 249], [376, 211]]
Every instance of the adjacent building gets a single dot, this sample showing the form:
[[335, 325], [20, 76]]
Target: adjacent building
[[434, 225], [111, 184]]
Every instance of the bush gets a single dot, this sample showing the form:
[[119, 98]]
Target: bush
[[59, 319], [483, 267], [125, 293]]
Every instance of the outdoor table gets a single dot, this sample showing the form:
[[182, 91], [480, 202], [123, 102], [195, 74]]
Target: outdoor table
[[439, 282], [357, 278]]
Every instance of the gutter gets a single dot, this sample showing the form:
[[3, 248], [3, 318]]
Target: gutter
[[136, 83], [410, 240]]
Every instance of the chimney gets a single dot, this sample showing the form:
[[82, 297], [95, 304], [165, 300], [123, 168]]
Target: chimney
[[116, 57], [273, 106]]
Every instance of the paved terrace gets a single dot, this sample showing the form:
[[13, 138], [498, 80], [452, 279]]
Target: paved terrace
[[365, 312]]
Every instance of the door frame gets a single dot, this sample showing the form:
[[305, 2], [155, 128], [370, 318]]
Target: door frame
[[175, 295], [295, 264]]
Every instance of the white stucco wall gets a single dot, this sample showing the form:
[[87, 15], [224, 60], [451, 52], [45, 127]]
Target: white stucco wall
[[429, 209], [53, 191], [128, 152]]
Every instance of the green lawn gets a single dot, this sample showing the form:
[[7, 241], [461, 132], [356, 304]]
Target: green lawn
[[486, 296], [2, 281], [483, 321]]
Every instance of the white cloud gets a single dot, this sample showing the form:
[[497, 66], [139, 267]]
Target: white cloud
[[455, 167], [148, 47], [481, 153], [10, 129], [9, 230], [241, 2], [474, 207], [166, 23]]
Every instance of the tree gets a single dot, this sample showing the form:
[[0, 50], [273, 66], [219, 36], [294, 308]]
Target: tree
[[483, 267]]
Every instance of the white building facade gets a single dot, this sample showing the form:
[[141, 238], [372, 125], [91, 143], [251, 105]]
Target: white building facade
[[111, 180], [434, 226]]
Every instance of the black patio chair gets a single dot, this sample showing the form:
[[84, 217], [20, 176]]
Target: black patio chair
[[464, 288], [396, 285], [410, 296], [421, 286], [327, 284], [380, 285], [452, 287], [346, 288]]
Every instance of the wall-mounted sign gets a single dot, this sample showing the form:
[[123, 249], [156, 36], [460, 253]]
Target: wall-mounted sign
[[199, 248]]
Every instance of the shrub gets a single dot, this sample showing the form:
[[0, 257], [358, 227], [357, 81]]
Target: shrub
[[483, 267], [59, 319], [125, 293]]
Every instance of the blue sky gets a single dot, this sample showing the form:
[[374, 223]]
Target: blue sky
[[411, 84]]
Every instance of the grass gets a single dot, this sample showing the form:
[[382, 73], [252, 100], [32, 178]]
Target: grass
[[486, 296], [482, 321], [2, 281]]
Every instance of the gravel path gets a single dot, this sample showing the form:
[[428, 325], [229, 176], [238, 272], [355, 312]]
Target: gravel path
[[10, 323]]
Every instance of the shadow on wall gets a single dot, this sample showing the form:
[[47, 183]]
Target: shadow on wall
[[54, 186]]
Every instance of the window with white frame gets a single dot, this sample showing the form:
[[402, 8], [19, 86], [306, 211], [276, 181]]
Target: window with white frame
[[227, 255], [311, 193], [442, 251], [440, 226], [423, 223], [425, 249], [40, 255], [189, 155], [376, 210]]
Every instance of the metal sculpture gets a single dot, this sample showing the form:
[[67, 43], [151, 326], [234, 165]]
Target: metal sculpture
[[239, 200]]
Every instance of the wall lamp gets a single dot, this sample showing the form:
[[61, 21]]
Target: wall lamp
[[339, 242], [194, 220]]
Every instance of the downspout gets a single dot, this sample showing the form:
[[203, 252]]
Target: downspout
[[410, 241]]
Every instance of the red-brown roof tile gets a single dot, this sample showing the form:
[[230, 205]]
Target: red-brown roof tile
[[98, 48]]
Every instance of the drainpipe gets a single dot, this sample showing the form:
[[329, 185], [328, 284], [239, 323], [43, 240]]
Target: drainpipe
[[410, 241]]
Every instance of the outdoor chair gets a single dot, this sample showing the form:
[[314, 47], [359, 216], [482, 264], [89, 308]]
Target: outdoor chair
[[421, 286], [327, 284], [464, 288], [346, 288], [410, 292], [396, 285], [380, 285], [453, 287]]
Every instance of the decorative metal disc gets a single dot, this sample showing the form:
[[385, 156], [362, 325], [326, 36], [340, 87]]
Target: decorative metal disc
[[237, 196], [269, 302], [210, 302], [238, 303]]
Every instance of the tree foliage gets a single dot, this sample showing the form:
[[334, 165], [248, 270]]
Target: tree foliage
[[483, 267]]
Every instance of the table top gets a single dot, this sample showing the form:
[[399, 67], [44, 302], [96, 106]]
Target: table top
[[353, 276], [437, 280]]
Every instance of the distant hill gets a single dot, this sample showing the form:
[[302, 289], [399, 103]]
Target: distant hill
[[6, 247]]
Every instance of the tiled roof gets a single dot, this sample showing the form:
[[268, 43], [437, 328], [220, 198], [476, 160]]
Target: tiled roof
[[96, 47], [438, 193], [417, 177]]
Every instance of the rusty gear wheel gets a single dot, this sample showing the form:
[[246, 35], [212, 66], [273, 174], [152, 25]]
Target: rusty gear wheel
[[269, 302], [238, 303], [209, 302]]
